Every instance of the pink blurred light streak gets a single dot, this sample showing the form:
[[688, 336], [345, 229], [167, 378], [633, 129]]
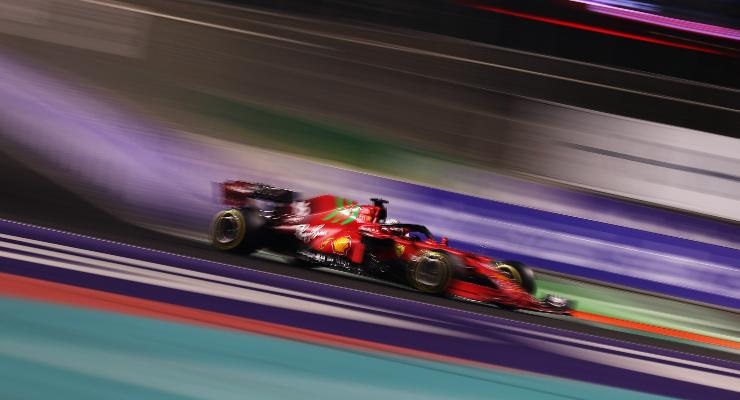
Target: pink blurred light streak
[[654, 19]]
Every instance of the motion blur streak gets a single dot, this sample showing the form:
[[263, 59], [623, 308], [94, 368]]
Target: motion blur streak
[[161, 178], [92, 266], [16, 286], [656, 329], [99, 257], [731, 383], [77, 24], [480, 339], [596, 29], [398, 47], [560, 338], [690, 26], [201, 23], [598, 151], [209, 363]]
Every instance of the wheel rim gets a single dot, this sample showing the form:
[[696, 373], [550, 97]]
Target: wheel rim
[[511, 273], [226, 229], [429, 272]]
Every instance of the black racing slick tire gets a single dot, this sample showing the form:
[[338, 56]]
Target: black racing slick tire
[[236, 230], [519, 273], [431, 272]]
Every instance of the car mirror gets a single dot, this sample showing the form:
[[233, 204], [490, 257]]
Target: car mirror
[[444, 241]]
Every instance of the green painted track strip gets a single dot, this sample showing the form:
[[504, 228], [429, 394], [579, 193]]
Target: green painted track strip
[[643, 308], [58, 352]]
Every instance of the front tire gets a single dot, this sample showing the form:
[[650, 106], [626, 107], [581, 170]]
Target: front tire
[[431, 273], [519, 273], [236, 230]]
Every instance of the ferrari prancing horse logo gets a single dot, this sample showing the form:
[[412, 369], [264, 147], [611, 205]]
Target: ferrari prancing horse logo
[[341, 245], [400, 249]]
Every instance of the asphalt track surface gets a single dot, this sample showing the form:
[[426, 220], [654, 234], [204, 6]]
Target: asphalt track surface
[[276, 305], [30, 198]]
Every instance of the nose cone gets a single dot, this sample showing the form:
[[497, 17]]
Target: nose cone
[[556, 301]]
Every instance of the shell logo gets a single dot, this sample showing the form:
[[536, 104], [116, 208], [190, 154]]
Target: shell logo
[[400, 249], [341, 245]]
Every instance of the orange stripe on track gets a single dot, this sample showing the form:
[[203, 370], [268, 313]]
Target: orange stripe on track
[[51, 292], [656, 329], [40, 290]]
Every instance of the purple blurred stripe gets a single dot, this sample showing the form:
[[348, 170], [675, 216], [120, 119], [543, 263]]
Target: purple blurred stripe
[[639, 268], [506, 342]]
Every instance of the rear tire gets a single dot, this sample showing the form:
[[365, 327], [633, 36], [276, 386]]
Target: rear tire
[[236, 230], [431, 273], [519, 273]]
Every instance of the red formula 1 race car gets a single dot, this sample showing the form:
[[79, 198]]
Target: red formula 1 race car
[[333, 232]]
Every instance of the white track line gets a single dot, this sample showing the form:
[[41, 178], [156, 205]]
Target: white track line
[[118, 261], [125, 272], [472, 315], [542, 74], [663, 370], [160, 279], [551, 337], [414, 34], [201, 23]]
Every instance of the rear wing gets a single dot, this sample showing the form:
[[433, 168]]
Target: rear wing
[[240, 193]]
